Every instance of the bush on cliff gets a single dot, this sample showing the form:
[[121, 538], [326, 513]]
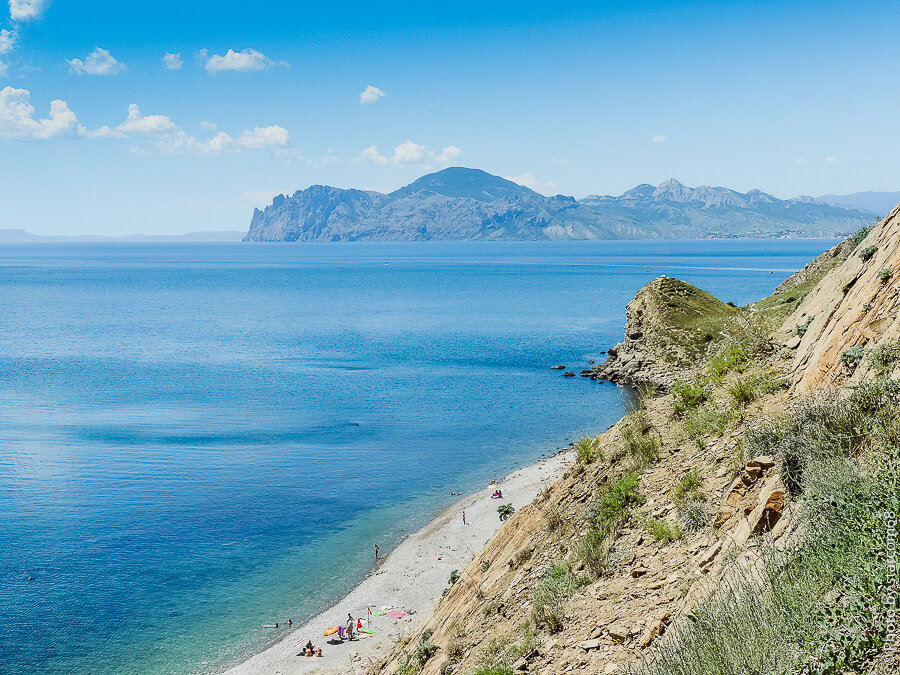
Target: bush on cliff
[[824, 604], [688, 395]]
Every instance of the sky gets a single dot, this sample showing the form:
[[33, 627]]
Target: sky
[[172, 116]]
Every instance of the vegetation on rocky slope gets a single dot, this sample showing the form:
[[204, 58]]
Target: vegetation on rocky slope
[[823, 604], [731, 524]]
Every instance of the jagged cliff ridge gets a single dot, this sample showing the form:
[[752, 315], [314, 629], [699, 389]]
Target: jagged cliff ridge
[[731, 525], [469, 204]]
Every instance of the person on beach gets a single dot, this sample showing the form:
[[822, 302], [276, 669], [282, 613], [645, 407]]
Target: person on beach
[[464, 518], [290, 622], [341, 630], [349, 627], [376, 552]]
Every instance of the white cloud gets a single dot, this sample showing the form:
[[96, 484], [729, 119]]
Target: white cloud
[[529, 180], [371, 154], [7, 41], [4, 69], [264, 137], [449, 154], [243, 61], [830, 160], [409, 152], [17, 117], [179, 142], [172, 61], [98, 62], [371, 94], [326, 159], [209, 126], [799, 161], [136, 123], [24, 10], [156, 133], [659, 139]]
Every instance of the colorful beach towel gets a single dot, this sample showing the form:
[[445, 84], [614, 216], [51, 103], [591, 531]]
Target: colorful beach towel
[[397, 615]]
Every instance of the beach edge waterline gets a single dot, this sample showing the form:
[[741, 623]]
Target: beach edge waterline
[[412, 576]]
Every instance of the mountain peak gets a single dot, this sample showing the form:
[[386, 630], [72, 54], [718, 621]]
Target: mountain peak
[[670, 184], [462, 182], [459, 203]]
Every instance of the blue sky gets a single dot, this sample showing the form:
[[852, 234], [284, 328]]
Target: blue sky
[[574, 98]]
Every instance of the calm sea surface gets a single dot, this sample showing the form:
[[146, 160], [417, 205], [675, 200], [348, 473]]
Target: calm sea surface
[[197, 439]]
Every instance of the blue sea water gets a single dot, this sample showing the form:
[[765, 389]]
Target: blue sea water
[[196, 439]]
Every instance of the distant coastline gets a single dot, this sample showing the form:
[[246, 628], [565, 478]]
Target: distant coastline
[[16, 236]]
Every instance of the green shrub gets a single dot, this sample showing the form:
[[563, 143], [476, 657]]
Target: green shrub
[[550, 596], [801, 328], [867, 307], [695, 515], [639, 438], [706, 420], [500, 654], [642, 446], [689, 488], [742, 391], [688, 395], [424, 651], [800, 298], [857, 238], [505, 511], [662, 530], [454, 577], [749, 387], [884, 274], [587, 450], [885, 356], [853, 356], [604, 516], [593, 552], [612, 507], [866, 254], [732, 356]]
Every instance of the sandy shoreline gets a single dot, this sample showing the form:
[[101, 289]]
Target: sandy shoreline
[[410, 578]]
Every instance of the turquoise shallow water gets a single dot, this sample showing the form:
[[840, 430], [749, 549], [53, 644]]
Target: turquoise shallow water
[[197, 439]]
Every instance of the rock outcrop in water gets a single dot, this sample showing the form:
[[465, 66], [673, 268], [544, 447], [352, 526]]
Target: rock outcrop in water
[[469, 204]]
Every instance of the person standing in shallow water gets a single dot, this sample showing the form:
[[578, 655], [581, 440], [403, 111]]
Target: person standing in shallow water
[[376, 552]]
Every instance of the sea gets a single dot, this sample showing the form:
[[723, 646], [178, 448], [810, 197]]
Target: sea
[[198, 439]]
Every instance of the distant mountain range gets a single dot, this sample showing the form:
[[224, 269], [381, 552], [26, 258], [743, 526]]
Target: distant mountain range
[[468, 204], [21, 236], [879, 203]]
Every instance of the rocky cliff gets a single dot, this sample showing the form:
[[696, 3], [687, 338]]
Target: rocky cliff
[[678, 542], [468, 204], [669, 326]]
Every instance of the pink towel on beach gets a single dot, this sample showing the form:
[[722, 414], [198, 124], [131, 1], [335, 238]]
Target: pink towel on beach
[[397, 615], [436, 557]]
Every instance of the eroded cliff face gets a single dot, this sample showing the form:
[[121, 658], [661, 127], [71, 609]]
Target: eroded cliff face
[[651, 583], [855, 307]]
